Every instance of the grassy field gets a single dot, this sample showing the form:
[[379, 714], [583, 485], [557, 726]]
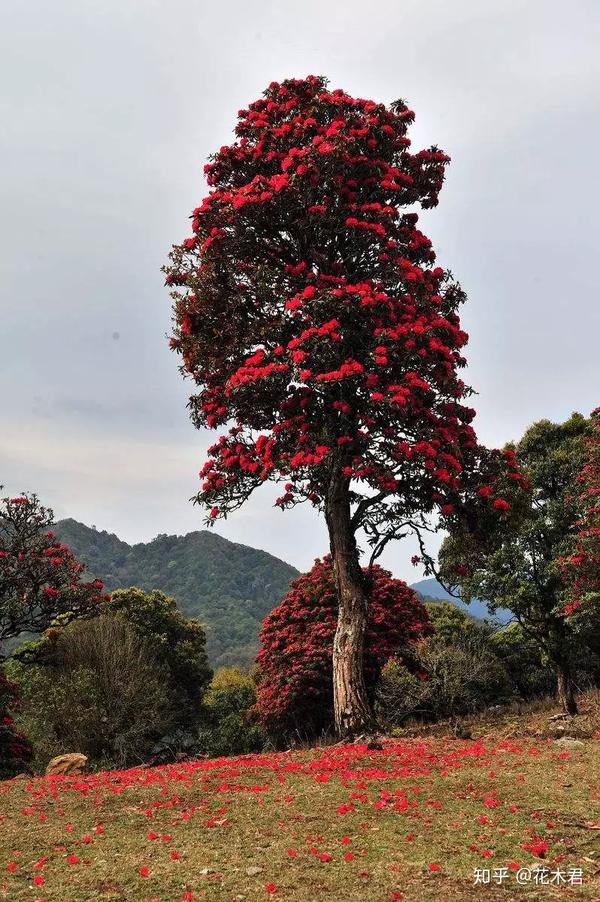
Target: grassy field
[[413, 822]]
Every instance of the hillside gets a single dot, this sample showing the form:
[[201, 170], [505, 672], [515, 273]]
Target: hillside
[[229, 587], [431, 589]]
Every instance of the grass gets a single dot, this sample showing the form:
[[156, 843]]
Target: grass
[[339, 823]]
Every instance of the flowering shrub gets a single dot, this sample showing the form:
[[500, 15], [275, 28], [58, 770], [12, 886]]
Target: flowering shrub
[[295, 692], [15, 750], [40, 579]]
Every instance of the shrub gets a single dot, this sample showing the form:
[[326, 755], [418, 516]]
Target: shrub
[[461, 677], [98, 688], [178, 642], [229, 729]]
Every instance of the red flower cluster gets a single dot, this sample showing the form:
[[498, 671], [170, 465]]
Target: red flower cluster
[[311, 314], [295, 693]]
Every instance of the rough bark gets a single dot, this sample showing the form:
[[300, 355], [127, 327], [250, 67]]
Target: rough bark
[[565, 689], [353, 713]]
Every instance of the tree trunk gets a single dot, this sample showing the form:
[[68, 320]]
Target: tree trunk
[[353, 714], [565, 689]]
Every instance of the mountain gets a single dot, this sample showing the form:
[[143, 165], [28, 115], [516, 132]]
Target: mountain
[[227, 586], [430, 588]]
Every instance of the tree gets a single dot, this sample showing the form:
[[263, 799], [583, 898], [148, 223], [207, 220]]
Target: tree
[[40, 579], [310, 313], [581, 568], [295, 692], [180, 643], [518, 564]]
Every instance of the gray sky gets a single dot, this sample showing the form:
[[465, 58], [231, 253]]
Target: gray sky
[[109, 110]]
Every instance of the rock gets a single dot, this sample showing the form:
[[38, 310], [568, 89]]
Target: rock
[[569, 743], [71, 764], [253, 870], [206, 871], [461, 731]]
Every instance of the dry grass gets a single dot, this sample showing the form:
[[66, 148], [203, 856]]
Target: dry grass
[[529, 719]]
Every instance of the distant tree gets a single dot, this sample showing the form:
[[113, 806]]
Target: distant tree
[[295, 691], [526, 666], [311, 315], [40, 579], [450, 623], [178, 642], [518, 565]]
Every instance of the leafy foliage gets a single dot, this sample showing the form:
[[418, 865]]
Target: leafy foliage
[[97, 688], [229, 728], [518, 564], [179, 643], [40, 579], [467, 665], [295, 659], [226, 586], [581, 568]]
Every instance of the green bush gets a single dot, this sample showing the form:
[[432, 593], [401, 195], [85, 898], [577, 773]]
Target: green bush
[[228, 728], [178, 642], [98, 688]]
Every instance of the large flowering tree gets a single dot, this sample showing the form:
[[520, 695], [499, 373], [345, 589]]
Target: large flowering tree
[[295, 692], [312, 317], [40, 579]]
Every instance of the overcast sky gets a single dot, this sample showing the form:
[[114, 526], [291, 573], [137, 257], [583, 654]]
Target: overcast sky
[[109, 109]]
